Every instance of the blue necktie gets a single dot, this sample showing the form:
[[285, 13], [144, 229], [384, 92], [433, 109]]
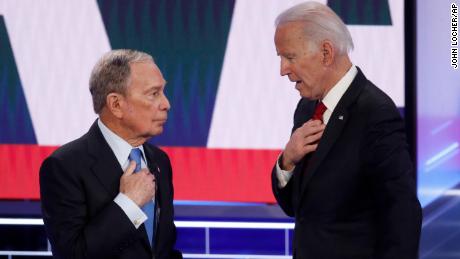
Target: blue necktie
[[149, 207]]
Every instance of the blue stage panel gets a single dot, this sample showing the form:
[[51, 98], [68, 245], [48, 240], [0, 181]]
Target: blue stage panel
[[247, 241], [191, 240]]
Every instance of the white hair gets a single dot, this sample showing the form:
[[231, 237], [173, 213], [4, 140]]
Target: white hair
[[321, 23]]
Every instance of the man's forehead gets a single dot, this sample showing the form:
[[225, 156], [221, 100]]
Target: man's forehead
[[289, 34], [291, 26], [143, 67], [147, 71]]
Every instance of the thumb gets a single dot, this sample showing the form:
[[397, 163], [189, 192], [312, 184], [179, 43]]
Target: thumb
[[131, 167]]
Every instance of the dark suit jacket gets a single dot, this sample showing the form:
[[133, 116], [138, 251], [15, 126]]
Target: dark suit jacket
[[78, 183], [355, 196]]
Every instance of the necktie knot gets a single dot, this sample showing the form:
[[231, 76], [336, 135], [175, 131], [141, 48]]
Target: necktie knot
[[319, 111], [136, 156]]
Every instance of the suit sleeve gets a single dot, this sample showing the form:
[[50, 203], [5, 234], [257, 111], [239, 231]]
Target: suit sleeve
[[393, 177], [283, 195], [73, 233]]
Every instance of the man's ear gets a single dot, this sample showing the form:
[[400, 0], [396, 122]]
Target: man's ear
[[114, 102], [327, 53]]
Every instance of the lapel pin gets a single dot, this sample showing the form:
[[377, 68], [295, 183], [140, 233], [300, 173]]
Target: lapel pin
[[341, 117]]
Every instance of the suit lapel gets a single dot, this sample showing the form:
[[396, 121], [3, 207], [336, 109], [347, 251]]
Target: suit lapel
[[333, 129], [105, 167], [303, 113], [155, 170], [330, 136], [151, 163], [297, 177]]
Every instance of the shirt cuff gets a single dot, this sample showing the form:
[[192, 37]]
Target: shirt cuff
[[282, 175], [134, 213]]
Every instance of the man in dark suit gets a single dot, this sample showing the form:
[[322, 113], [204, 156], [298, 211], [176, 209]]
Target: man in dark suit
[[345, 173], [109, 194]]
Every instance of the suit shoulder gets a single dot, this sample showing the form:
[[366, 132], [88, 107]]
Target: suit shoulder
[[373, 98], [376, 109], [71, 149], [65, 162]]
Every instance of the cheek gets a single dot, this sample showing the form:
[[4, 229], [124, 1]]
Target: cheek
[[147, 107], [296, 69], [303, 71]]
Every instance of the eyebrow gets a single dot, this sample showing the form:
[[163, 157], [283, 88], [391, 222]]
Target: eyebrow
[[153, 88], [159, 86]]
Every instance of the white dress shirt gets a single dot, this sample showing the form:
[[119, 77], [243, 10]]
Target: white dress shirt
[[122, 149], [331, 100]]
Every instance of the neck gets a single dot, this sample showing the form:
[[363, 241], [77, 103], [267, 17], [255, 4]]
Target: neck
[[116, 126], [337, 71]]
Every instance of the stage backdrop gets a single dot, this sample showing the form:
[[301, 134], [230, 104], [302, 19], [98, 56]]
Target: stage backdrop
[[231, 110]]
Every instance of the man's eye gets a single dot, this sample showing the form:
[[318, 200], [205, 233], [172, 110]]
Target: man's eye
[[155, 94], [289, 58]]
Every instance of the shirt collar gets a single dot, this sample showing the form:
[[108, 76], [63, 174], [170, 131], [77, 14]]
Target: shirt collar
[[119, 146], [332, 98]]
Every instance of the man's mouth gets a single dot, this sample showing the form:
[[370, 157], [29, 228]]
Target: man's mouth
[[161, 121]]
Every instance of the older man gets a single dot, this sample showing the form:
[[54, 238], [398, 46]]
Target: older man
[[109, 194], [345, 173]]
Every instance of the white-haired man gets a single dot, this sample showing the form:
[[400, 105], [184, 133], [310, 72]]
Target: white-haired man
[[345, 173]]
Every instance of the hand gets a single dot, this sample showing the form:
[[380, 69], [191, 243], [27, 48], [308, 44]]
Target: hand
[[139, 187], [304, 140]]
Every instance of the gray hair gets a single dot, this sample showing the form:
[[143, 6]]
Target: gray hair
[[321, 23], [111, 74]]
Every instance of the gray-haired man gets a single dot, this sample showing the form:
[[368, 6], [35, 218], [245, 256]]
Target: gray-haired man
[[109, 194]]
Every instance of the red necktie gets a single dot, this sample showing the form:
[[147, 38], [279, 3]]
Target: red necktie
[[319, 111]]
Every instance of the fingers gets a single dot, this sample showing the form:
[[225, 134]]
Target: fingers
[[130, 169], [146, 172], [313, 123], [303, 141], [139, 187], [309, 134], [310, 128], [313, 138], [145, 177], [310, 148], [143, 173], [150, 177]]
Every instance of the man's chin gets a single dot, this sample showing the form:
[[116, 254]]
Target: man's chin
[[157, 131], [304, 94], [153, 133], [309, 95]]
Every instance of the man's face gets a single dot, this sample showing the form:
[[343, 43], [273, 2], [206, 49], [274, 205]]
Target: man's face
[[300, 61], [146, 107]]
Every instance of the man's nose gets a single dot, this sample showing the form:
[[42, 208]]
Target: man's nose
[[165, 105], [284, 68]]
